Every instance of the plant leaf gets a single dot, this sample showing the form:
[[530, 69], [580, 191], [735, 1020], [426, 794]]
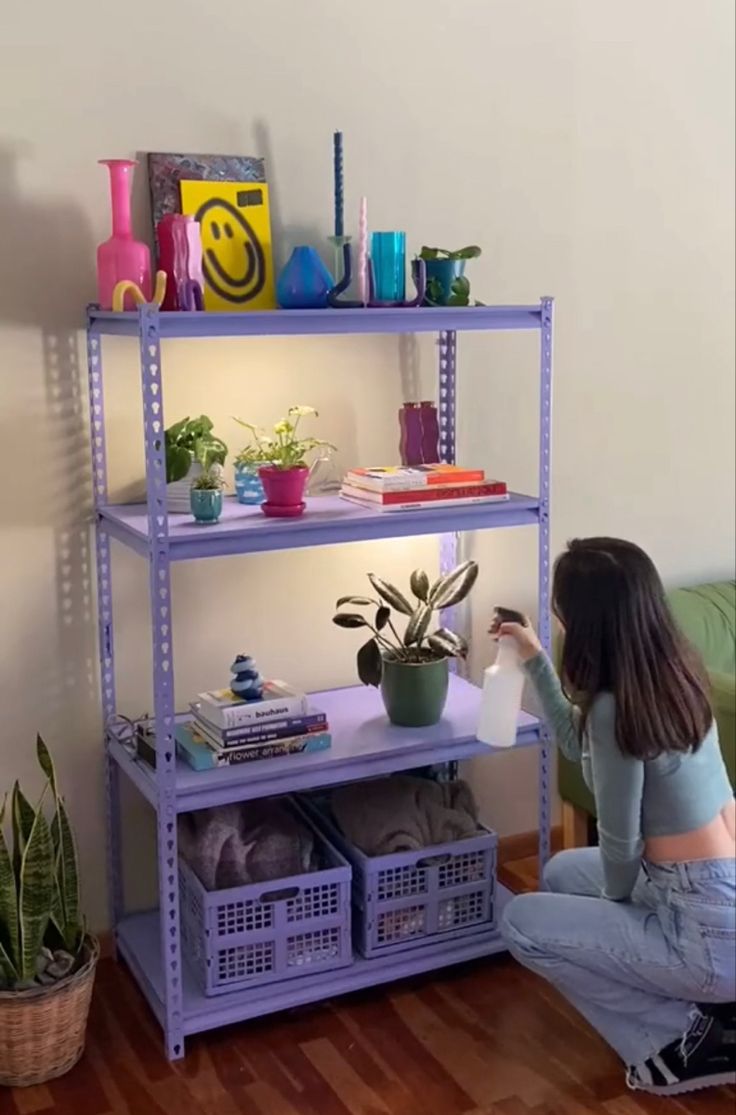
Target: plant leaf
[[383, 615], [369, 663], [471, 252], [349, 620], [178, 460], [454, 586], [417, 626], [23, 816], [67, 877], [420, 584], [47, 765], [9, 939], [172, 435], [391, 595], [430, 253], [448, 643], [358, 601], [34, 896]]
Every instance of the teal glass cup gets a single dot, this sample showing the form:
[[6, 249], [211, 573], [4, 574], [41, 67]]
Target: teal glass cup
[[388, 262]]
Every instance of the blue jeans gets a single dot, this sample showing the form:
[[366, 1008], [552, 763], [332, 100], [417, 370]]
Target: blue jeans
[[634, 969]]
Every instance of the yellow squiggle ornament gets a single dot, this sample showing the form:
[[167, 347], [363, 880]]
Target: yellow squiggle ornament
[[127, 286]]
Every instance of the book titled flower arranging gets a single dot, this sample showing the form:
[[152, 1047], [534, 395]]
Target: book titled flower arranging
[[251, 719], [421, 488]]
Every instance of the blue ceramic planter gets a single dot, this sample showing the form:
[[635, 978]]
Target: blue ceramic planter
[[444, 272], [248, 486], [206, 505], [304, 282]]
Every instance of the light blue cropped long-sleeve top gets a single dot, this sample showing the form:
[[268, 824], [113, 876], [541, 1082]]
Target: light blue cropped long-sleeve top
[[675, 793]]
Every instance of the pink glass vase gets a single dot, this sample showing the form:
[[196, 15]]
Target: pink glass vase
[[121, 257], [180, 256]]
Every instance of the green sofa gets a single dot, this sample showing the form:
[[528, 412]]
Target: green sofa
[[707, 616]]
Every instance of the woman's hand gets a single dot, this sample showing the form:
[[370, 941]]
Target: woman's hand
[[524, 635]]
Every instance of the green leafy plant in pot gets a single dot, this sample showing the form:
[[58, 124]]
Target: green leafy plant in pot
[[447, 284], [47, 957], [411, 669], [284, 472], [191, 448], [205, 495]]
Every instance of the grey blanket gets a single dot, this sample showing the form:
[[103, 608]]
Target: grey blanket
[[252, 842], [404, 813]]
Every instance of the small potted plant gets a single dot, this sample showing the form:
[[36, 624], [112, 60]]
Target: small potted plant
[[248, 483], [205, 495], [191, 448], [47, 957], [285, 471], [446, 281], [411, 669]]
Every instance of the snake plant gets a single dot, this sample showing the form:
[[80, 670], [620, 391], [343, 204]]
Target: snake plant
[[417, 644], [41, 931]]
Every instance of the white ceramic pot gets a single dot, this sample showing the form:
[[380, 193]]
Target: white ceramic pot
[[177, 494]]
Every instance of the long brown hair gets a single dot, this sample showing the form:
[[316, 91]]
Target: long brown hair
[[620, 637]]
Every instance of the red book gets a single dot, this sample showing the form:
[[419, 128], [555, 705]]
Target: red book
[[428, 495], [407, 478]]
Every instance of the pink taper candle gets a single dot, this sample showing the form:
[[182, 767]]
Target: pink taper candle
[[363, 252]]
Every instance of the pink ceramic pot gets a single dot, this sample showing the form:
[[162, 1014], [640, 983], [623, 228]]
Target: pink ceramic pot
[[284, 489]]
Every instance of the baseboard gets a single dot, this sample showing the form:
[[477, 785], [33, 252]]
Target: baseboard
[[522, 845]]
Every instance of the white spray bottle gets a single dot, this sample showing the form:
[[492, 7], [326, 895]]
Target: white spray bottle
[[503, 685]]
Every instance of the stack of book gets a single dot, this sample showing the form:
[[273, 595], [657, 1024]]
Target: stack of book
[[420, 487], [225, 730]]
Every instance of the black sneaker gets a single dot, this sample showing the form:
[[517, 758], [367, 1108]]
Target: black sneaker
[[724, 1012], [705, 1057]]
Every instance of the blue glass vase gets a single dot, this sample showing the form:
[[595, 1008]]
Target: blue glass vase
[[304, 282]]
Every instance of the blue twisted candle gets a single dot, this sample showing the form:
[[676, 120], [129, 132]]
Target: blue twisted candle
[[339, 190]]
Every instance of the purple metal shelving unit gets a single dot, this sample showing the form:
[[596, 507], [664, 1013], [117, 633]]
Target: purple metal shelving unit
[[364, 745]]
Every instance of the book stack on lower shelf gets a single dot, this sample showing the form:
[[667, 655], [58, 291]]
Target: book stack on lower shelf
[[226, 730], [420, 488]]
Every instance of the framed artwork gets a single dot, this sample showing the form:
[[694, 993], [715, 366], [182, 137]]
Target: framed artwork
[[237, 256], [166, 171]]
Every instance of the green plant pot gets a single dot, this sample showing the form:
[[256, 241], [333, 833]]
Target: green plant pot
[[444, 272], [206, 505], [414, 694]]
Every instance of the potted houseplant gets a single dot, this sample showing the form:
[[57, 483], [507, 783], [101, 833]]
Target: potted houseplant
[[446, 281], [248, 483], [411, 669], [205, 495], [191, 448], [284, 471], [47, 957]]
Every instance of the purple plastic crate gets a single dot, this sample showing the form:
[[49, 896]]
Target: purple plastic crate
[[264, 932], [401, 901]]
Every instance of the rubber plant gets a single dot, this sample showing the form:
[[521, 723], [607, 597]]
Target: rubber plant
[[188, 441], [41, 930], [455, 289], [418, 644]]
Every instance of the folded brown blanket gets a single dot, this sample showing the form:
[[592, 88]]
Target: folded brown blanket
[[252, 842], [404, 813]]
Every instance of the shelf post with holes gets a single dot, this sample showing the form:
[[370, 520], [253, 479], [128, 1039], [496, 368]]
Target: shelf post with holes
[[545, 628], [163, 675]]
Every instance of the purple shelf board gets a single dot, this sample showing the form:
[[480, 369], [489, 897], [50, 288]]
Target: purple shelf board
[[139, 942], [289, 323], [328, 520], [364, 745]]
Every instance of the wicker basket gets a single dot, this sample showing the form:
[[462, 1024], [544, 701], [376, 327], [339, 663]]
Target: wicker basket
[[42, 1031]]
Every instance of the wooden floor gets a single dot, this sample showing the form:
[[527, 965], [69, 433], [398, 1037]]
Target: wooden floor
[[489, 1039]]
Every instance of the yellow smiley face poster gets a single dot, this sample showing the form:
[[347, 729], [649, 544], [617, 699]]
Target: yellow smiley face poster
[[237, 259]]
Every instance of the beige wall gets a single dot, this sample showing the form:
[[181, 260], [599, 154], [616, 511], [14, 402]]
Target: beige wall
[[587, 146]]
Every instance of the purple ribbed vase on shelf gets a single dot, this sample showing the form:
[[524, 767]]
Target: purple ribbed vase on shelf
[[430, 433], [410, 443]]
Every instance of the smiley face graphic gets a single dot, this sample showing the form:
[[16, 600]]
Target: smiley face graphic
[[234, 262], [235, 224]]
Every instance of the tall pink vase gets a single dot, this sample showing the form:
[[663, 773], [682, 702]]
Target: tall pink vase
[[121, 257]]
